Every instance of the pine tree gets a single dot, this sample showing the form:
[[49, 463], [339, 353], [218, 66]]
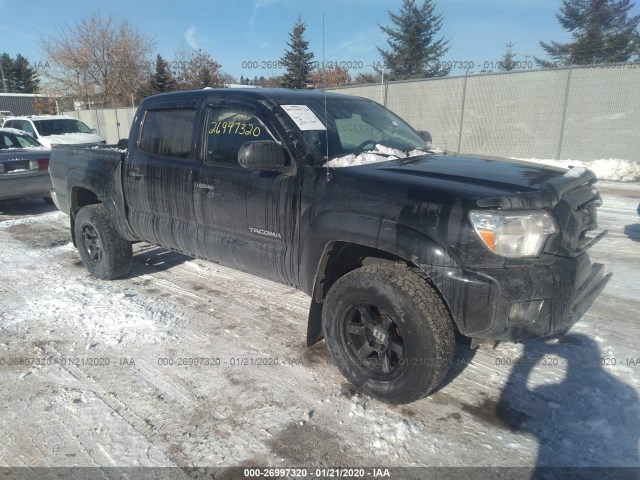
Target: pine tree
[[6, 73], [508, 61], [414, 52], [162, 80], [17, 75], [24, 77], [602, 32], [297, 60]]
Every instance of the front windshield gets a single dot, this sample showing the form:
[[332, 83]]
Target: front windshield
[[60, 126], [356, 127]]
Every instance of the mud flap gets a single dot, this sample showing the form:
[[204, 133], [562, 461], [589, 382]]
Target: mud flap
[[314, 325]]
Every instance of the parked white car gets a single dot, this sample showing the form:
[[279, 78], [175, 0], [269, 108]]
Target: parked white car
[[51, 130]]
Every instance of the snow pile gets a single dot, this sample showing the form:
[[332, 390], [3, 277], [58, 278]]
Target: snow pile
[[605, 169], [380, 153]]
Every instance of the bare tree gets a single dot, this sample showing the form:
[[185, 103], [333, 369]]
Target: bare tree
[[367, 77], [196, 69], [330, 77], [100, 60]]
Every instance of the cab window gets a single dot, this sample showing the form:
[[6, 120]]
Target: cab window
[[168, 133], [230, 128]]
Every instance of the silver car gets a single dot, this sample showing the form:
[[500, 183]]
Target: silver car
[[24, 166]]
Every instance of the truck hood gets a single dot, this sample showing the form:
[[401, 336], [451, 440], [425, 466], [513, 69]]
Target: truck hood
[[498, 173], [71, 139], [490, 181]]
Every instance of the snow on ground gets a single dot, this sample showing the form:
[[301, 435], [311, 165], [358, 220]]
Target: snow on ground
[[186, 363]]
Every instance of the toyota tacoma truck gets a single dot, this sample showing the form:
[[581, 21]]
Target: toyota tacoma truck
[[399, 247]]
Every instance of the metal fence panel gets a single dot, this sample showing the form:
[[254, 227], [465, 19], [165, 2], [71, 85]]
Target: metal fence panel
[[603, 114], [577, 113], [518, 114], [572, 113], [435, 106], [111, 124]]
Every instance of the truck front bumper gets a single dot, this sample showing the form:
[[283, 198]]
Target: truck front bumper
[[517, 303]]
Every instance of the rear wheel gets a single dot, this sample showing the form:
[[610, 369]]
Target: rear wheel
[[103, 251], [389, 332]]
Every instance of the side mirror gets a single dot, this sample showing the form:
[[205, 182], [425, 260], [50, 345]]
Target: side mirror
[[426, 136], [122, 143], [93, 130], [263, 155]]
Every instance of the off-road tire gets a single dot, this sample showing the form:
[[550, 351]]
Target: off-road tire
[[411, 316], [103, 251]]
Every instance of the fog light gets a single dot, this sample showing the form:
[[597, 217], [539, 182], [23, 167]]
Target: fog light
[[525, 311], [516, 311]]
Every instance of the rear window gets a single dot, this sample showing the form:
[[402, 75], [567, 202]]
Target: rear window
[[168, 132]]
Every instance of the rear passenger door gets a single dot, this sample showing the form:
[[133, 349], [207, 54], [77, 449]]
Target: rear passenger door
[[158, 179]]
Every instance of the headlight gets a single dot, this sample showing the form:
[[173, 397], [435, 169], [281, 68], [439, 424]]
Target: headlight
[[514, 234]]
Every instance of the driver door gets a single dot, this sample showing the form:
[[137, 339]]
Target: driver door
[[247, 219]]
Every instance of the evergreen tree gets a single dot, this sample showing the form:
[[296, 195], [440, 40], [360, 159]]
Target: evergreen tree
[[162, 80], [414, 51], [17, 75], [297, 60], [6, 73], [24, 77], [602, 32], [508, 61]]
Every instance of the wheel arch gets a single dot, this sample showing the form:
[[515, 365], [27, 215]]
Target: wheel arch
[[80, 197], [340, 258]]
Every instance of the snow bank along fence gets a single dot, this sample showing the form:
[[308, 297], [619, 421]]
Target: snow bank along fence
[[571, 113]]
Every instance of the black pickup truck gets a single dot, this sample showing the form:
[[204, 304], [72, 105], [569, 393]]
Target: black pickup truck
[[398, 246]]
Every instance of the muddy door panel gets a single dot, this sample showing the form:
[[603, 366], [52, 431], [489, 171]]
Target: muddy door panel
[[158, 181], [272, 213], [247, 219], [220, 199]]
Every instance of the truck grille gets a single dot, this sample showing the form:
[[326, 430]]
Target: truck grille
[[576, 214]]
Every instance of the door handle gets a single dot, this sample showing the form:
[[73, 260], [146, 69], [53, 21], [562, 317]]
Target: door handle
[[204, 186], [135, 174]]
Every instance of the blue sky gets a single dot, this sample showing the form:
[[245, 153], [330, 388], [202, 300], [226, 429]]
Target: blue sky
[[237, 31]]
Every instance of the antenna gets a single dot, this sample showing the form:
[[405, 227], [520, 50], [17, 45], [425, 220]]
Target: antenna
[[324, 89]]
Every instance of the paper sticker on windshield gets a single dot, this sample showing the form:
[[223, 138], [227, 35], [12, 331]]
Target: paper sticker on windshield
[[304, 118]]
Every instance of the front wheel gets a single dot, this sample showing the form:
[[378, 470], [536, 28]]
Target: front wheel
[[103, 251], [389, 332]]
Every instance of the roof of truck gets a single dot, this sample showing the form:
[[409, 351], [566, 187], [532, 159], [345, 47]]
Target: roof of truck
[[271, 93]]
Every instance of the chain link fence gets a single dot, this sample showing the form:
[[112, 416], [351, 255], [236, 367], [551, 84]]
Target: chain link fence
[[573, 113]]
